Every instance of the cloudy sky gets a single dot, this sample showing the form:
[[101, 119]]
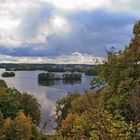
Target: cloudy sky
[[64, 31]]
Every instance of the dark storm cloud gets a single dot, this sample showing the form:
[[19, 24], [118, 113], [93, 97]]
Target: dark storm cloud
[[90, 33], [100, 29]]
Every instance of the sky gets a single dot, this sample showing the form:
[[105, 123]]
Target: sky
[[64, 31]]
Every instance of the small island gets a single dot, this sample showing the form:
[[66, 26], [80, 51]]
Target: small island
[[48, 77], [8, 74], [72, 76]]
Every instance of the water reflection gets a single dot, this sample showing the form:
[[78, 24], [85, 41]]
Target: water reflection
[[58, 82], [46, 83], [72, 82]]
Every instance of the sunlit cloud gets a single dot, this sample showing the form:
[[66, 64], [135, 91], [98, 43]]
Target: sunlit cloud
[[60, 24], [110, 5], [79, 4]]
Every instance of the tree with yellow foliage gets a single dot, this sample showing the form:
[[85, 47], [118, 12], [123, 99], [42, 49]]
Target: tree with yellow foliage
[[8, 128], [23, 126]]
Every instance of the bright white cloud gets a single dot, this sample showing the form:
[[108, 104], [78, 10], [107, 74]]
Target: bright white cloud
[[8, 24], [111, 5], [72, 5], [18, 19], [8, 34], [59, 24]]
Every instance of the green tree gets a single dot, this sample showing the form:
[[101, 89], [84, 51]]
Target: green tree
[[9, 103], [12, 101], [3, 84], [121, 73], [30, 106], [63, 105], [2, 135], [112, 113]]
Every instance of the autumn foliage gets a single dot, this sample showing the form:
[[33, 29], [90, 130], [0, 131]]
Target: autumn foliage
[[112, 112]]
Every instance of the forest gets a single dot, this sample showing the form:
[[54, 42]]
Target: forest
[[111, 112], [19, 115]]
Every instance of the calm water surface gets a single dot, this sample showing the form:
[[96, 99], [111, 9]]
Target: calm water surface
[[26, 81]]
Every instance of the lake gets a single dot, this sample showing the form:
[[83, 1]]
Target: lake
[[27, 81]]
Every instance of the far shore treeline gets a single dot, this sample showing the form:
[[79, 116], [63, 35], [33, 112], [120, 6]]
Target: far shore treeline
[[84, 68]]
